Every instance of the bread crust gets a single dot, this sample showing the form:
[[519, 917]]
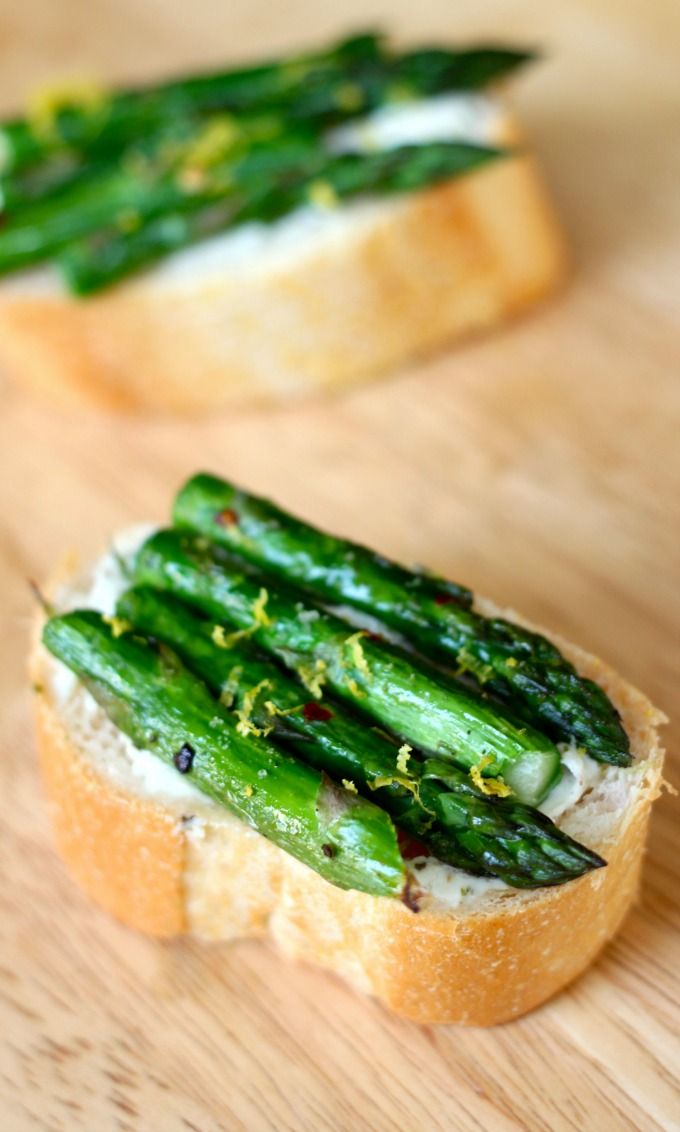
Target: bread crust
[[429, 269], [125, 852], [165, 868]]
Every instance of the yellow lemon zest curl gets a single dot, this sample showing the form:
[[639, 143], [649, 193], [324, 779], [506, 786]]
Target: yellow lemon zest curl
[[245, 725], [47, 102], [118, 625], [314, 677], [488, 785]]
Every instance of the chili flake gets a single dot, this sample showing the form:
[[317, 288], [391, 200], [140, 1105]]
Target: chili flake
[[316, 713]]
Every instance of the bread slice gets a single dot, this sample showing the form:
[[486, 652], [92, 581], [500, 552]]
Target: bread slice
[[314, 302], [164, 859]]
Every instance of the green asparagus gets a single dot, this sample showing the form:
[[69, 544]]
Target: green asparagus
[[48, 179], [111, 254], [433, 801], [435, 714], [123, 197], [96, 122], [520, 666], [350, 78], [160, 705], [110, 181]]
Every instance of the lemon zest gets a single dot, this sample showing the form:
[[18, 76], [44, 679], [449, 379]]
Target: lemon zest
[[225, 640], [349, 785], [118, 625], [403, 780], [47, 102], [272, 709], [245, 725], [314, 678], [382, 780], [259, 614], [488, 785], [212, 144], [296, 71], [469, 663], [353, 643], [349, 96], [323, 195], [403, 757], [400, 92], [230, 686], [128, 221], [260, 618]]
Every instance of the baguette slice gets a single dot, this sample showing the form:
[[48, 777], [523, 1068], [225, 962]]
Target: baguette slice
[[167, 863], [317, 302]]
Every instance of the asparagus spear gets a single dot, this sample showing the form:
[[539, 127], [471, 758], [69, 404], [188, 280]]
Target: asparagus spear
[[430, 70], [432, 800], [150, 696], [520, 666], [111, 254], [123, 197], [346, 80], [109, 197], [437, 715]]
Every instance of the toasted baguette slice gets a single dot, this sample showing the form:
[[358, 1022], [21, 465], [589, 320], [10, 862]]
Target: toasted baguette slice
[[315, 302], [167, 862]]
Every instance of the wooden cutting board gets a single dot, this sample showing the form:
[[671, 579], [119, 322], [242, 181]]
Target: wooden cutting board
[[541, 466]]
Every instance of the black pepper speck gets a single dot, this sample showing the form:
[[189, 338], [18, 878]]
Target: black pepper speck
[[184, 758]]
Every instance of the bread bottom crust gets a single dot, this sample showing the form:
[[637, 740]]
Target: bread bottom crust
[[429, 269], [166, 868]]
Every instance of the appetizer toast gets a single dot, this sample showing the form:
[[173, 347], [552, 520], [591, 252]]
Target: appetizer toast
[[251, 728], [254, 235]]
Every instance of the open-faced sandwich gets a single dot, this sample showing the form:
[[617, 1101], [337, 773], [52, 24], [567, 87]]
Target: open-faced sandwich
[[249, 727], [261, 232]]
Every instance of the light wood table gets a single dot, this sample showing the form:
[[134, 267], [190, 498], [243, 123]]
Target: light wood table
[[541, 466]]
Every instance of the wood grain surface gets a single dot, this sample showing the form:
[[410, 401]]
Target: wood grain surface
[[540, 466]]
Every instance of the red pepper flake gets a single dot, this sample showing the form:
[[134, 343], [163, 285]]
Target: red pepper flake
[[376, 637], [328, 850], [315, 713], [184, 758], [445, 599], [226, 518], [410, 847]]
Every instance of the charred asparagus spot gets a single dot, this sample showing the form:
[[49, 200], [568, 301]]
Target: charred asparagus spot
[[436, 803], [436, 715], [521, 667], [147, 690], [348, 79]]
